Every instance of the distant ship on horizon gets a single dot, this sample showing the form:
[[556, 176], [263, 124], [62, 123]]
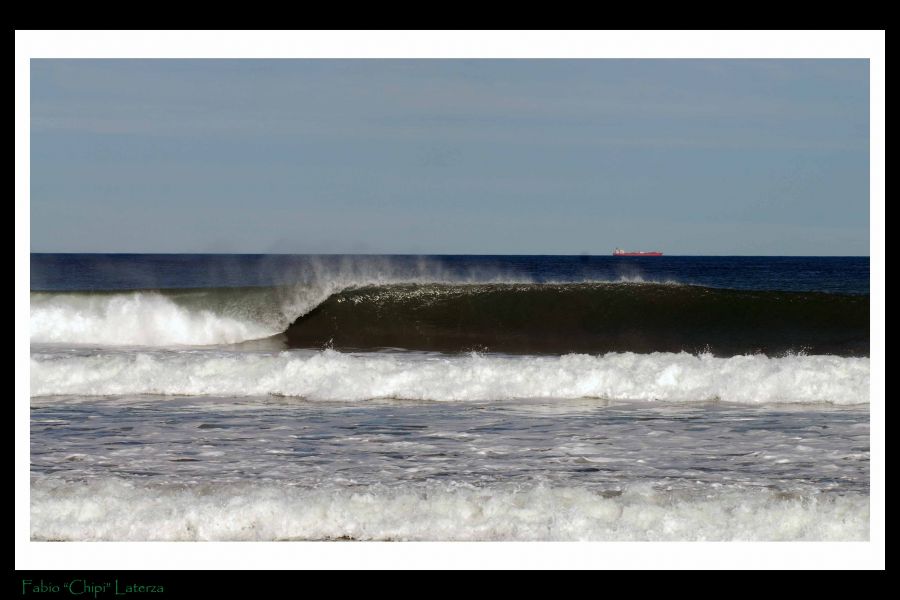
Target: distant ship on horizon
[[620, 252]]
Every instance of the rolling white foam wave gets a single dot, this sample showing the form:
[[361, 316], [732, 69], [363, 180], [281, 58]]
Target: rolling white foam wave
[[134, 319], [331, 375], [113, 509]]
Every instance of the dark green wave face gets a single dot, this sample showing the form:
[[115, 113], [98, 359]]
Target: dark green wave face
[[592, 318]]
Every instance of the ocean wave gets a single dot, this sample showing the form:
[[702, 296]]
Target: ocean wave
[[591, 317], [333, 375], [524, 318], [135, 319], [113, 509]]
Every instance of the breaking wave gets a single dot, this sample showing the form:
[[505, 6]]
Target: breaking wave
[[518, 318], [332, 375], [561, 318]]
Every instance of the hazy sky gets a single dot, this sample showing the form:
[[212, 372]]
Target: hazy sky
[[450, 156]]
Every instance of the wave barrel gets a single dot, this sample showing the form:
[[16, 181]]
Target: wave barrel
[[589, 318]]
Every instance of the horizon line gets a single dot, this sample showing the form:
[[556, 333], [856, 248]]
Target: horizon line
[[580, 254]]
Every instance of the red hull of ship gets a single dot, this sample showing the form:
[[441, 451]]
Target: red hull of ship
[[638, 254]]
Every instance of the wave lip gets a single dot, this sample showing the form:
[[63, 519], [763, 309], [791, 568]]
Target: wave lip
[[587, 317], [115, 510], [332, 375]]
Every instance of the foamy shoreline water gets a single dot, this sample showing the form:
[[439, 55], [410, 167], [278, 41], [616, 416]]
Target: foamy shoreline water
[[117, 510], [193, 468]]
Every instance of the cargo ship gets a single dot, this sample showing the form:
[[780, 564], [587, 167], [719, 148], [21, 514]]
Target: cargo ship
[[620, 252]]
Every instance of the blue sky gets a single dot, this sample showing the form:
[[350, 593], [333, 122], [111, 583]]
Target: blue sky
[[450, 156]]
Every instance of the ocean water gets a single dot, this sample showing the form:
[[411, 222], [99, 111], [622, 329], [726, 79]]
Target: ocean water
[[225, 397]]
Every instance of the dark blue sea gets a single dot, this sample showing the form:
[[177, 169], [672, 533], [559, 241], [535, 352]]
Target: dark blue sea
[[842, 274]]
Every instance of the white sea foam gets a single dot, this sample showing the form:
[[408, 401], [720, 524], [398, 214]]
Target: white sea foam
[[134, 319], [331, 375], [115, 509]]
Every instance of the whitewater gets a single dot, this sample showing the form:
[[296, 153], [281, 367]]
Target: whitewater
[[332, 375]]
